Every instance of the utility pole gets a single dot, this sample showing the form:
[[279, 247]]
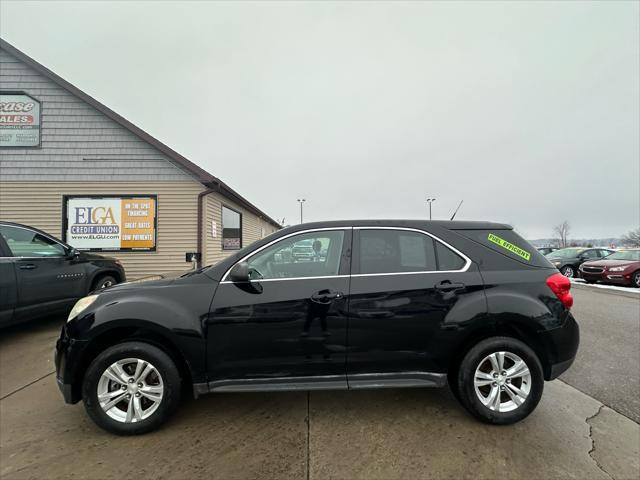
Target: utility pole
[[301, 201], [430, 201]]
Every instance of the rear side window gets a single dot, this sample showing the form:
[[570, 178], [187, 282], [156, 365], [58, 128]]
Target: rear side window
[[402, 251], [508, 243]]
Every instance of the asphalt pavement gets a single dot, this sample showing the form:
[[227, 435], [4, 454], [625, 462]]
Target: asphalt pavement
[[607, 366], [384, 434]]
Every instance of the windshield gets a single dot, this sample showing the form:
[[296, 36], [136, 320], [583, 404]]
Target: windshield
[[566, 252], [625, 255]]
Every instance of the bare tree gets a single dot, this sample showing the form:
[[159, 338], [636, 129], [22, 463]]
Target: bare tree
[[632, 238], [562, 233]]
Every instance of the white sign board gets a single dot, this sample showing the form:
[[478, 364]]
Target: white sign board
[[111, 223], [19, 120]]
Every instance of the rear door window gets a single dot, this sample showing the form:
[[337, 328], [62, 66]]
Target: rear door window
[[395, 251], [402, 251], [448, 259]]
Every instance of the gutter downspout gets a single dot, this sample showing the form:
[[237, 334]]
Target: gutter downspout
[[201, 196]]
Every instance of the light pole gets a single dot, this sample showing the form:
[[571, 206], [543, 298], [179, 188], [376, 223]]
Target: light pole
[[301, 201], [430, 201]]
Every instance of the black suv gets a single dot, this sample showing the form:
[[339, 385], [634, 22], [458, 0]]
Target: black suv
[[391, 304], [42, 276]]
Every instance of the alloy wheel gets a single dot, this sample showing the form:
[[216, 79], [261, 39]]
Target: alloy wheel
[[106, 284], [567, 272], [502, 381], [130, 390]]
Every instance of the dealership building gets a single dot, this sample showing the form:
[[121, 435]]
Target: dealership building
[[74, 168]]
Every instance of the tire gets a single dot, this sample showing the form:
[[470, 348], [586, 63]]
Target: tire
[[508, 411], [635, 279], [568, 271], [104, 281], [161, 378]]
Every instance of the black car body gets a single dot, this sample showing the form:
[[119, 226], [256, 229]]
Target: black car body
[[568, 260], [42, 276], [393, 304]]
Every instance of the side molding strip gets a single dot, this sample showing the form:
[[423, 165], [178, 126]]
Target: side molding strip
[[359, 381], [364, 381]]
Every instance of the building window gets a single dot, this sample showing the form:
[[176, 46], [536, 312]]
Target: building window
[[231, 229]]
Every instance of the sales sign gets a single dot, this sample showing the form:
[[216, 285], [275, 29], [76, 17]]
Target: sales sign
[[19, 120], [111, 223]]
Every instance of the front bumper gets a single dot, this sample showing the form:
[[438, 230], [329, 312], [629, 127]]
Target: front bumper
[[620, 278], [67, 358]]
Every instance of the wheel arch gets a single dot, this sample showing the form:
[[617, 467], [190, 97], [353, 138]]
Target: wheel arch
[[121, 334], [101, 273], [506, 328]]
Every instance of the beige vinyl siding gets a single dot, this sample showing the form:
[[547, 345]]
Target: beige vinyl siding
[[252, 227], [40, 205]]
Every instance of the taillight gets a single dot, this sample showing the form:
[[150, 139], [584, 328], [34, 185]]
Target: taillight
[[560, 285]]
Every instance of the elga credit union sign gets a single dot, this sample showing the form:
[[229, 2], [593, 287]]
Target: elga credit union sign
[[19, 120], [111, 223]]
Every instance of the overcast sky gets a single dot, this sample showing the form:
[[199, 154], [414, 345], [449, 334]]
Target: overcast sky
[[528, 111]]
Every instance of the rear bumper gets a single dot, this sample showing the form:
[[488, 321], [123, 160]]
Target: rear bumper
[[563, 345]]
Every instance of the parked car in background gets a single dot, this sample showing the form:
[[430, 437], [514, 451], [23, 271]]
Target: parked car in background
[[42, 276], [547, 250], [391, 304], [568, 260], [621, 267]]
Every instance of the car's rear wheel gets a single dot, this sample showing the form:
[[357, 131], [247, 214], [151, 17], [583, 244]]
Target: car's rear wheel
[[131, 388], [500, 380], [635, 279], [568, 271], [104, 282]]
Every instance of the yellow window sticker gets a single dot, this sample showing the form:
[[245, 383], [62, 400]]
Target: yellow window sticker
[[509, 246]]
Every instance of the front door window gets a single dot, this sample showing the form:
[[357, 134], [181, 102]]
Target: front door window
[[312, 254]]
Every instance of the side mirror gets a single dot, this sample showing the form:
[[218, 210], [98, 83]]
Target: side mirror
[[73, 253], [239, 273]]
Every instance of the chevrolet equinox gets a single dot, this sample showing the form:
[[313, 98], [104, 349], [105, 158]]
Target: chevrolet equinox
[[388, 304]]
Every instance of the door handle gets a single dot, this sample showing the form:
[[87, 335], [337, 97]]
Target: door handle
[[326, 296], [447, 286], [27, 266]]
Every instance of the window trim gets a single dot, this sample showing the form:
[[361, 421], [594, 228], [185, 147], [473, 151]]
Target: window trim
[[223, 206], [423, 232], [435, 238], [63, 245]]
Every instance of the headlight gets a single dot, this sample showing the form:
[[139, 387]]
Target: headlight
[[80, 306], [617, 269], [556, 262]]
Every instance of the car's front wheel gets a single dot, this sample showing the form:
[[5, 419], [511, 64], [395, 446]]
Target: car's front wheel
[[500, 380], [568, 271], [635, 279], [131, 388], [104, 281]]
